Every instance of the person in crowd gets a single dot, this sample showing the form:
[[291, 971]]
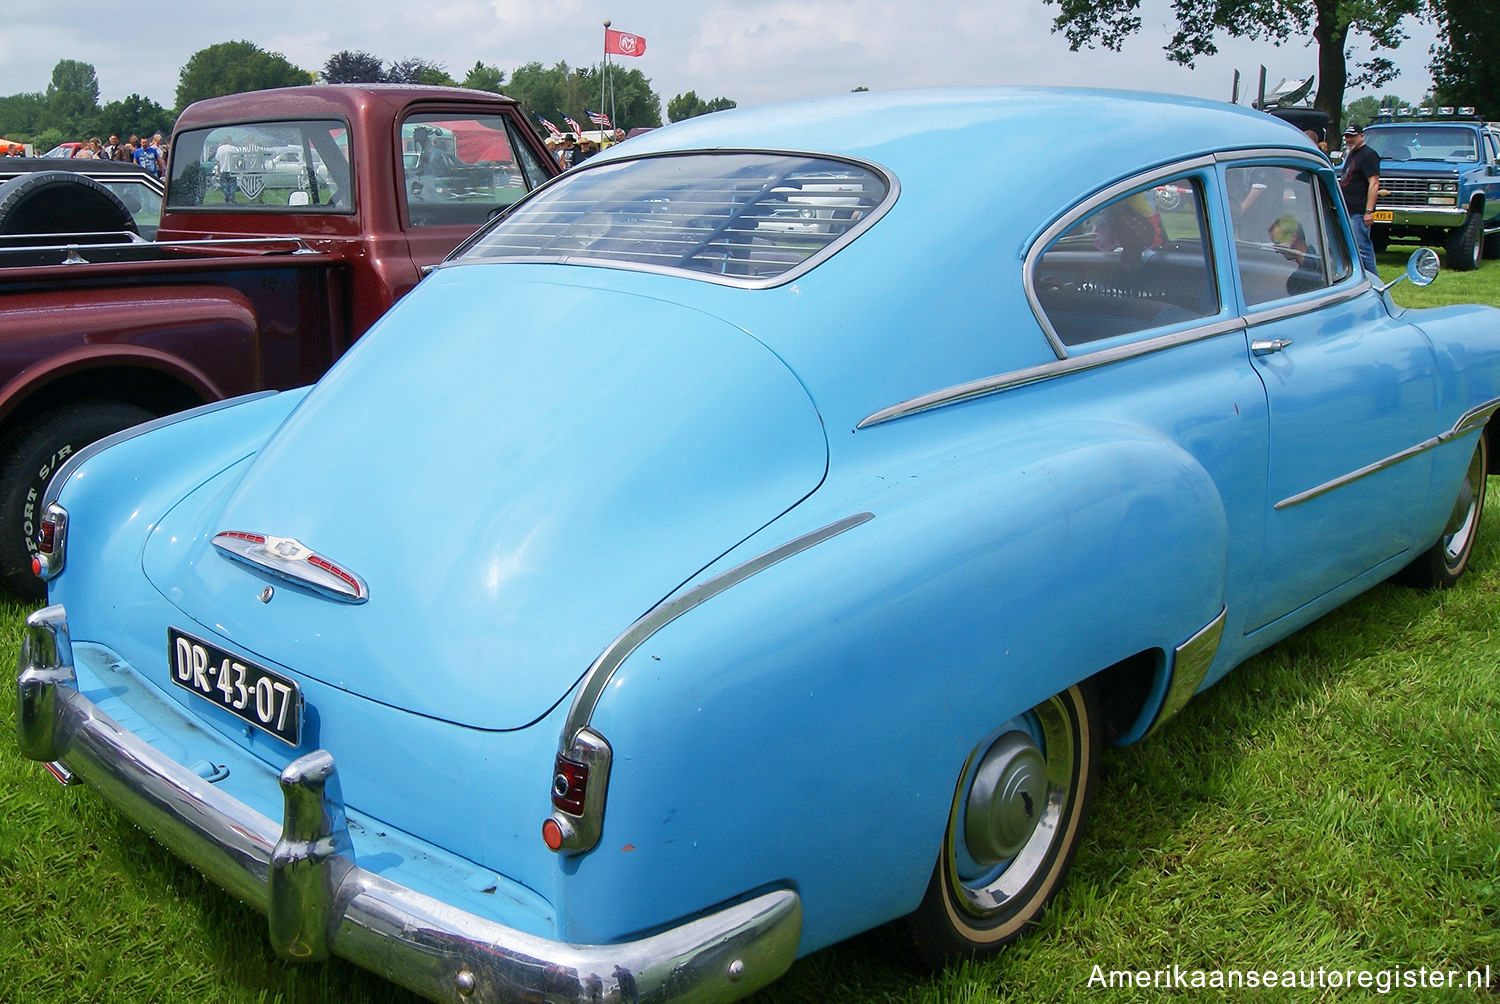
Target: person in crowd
[[567, 153], [112, 146], [146, 157], [85, 152], [586, 149], [1360, 182]]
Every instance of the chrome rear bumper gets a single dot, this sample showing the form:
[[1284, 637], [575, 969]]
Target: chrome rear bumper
[[303, 876]]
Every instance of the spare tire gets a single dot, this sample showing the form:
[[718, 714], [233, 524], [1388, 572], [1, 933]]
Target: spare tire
[[61, 202]]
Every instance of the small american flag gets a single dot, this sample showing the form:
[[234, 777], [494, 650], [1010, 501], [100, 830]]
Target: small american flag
[[551, 129], [578, 129], [598, 118]]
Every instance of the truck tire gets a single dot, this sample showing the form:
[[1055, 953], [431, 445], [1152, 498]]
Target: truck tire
[[29, 456], [1492, 245], [1466, 244], [61, 202]]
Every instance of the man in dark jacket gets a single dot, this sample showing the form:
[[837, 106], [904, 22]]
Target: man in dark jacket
[[1360, 182]]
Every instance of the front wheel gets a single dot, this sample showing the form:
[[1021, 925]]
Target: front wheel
[[1016, 821], [1441, 565], [29, 456]]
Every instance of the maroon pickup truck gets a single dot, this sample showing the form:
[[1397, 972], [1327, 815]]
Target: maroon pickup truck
[[293, 219]]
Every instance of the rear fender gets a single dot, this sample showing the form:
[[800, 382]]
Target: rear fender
[[850, 681], [49, 336]]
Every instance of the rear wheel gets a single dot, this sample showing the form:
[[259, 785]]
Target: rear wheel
[[1466, 244], [29, 456], [1016, 821], [1442, 564]]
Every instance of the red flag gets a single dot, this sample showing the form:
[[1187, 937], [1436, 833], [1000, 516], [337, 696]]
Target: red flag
[[623, 43]]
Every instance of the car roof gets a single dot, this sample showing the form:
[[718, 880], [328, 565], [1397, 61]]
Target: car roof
[[25, 165], [360, 103], [1044, 135]]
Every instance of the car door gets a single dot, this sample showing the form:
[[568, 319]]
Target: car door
[[1351, 391]]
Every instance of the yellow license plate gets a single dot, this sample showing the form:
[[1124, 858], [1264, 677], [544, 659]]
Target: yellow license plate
[[1384, 216]]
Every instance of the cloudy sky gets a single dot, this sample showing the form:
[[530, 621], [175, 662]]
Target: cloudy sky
[[753, 51]]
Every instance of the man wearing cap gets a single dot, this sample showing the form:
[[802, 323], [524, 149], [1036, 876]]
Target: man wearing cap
[[1360, 181]]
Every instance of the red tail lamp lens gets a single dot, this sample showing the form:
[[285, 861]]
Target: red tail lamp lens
[[552, 834], [46, 538], [570, 781]]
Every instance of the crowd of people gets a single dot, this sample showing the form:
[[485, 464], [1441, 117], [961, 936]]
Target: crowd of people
[[148, 152], [571, 152]]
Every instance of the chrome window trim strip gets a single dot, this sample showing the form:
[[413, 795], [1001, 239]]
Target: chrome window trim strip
[[1049, 371], [1190, 664], [598, 675], [55, 486], [1331, 296], [1469, 421], [893, 193], [1078, 212]]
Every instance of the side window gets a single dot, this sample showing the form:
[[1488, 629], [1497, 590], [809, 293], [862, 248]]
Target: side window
[[460, 171], [1138, 263], [1286, 243]]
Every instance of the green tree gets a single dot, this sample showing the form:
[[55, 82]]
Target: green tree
[[419, 71], [353, 67], [1329, 23], [483, 77], [689, 105], [631, 100], [134, 114], [72, 98], [21, 115], [233, 68], [1464, 70]]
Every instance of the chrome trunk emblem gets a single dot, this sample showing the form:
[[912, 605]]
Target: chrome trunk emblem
[[292, 561]]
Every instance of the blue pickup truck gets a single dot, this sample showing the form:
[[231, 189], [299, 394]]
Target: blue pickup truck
[[1439, 185]]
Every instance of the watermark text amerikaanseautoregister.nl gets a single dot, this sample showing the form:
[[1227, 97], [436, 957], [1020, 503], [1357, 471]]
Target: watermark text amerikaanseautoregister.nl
[[1382, 980]]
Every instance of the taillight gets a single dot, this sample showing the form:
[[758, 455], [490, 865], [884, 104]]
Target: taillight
[[580, 781], [51, 542], [570, 781]]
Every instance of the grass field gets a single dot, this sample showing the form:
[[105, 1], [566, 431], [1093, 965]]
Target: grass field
[[1333, 803]]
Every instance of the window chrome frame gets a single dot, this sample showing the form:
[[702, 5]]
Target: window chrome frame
[[893, 192], [1346, 289], [1097, 201]]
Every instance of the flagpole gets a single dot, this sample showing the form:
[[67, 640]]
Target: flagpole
[[603, 75]]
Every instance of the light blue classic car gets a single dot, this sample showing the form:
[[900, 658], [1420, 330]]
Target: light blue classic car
[[753, 537]]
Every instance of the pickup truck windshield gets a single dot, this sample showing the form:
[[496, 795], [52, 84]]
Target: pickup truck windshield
[[263, 166], [1424, 142], [742, 216]]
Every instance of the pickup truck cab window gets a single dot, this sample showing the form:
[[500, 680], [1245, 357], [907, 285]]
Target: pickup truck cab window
[[254, 167], [1138, 263], [462, 170], [1287, 241]]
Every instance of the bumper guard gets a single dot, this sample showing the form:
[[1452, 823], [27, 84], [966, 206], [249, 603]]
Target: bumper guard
[[303, 876]]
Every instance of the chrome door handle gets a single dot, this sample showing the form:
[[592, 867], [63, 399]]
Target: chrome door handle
[[1264, 347]]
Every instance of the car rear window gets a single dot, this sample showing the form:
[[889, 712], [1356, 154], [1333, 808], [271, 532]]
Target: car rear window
[[734, 216]]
